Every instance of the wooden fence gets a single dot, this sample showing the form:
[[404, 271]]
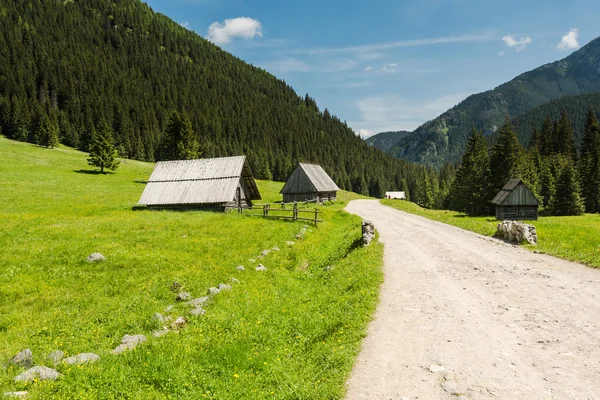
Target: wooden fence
[[283, 211]]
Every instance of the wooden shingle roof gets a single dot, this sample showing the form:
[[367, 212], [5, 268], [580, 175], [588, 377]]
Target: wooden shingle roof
[[309, 178], [508, 196], [202, 181]]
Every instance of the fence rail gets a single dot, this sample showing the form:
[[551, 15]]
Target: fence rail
[[268, 212]]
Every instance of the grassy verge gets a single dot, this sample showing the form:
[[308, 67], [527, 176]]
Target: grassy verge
[[291, 332], [572, 238]]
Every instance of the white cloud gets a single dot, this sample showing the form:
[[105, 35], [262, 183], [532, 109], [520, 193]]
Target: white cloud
[[186, 25], [368, 68], [519, 45], [392, 112], [242, 27], [389, 68], [365, 133], [570, 41], [502, 53]]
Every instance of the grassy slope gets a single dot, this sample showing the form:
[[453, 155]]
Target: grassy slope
[[292, 332], [571, 238]]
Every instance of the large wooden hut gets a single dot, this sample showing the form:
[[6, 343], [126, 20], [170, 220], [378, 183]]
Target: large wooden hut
[[516, 202], [208, 184], [309, 182]]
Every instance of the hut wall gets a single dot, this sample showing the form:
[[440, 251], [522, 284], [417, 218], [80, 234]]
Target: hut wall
[[291, 197], [514, 213]]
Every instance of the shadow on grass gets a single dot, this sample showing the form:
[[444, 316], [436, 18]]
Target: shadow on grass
[[141, 182], [91, 172]]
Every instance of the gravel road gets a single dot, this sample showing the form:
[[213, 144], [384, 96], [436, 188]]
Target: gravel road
[[491, 320]]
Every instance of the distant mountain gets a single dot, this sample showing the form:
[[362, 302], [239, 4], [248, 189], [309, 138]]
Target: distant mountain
[[443, 139], [386, 140], [577, 108]]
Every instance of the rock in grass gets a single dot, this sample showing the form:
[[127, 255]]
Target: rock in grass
[[169, 308], [275, 248], [158, 317], [175, 286], [198, 311], [261, 268], [289, 243], [160, 333], [95, 257], [265, 253], [223, 286], [179, 323], [197, 302], [23, 359], [129, 342], [16, 394], [298, 236], [213, 290], [235, 280], [183, 296], [241, 268], [39, 373], [56, 356], [83, 358]]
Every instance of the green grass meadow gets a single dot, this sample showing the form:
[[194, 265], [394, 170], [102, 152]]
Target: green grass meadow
[[572, 238], [292, 332]]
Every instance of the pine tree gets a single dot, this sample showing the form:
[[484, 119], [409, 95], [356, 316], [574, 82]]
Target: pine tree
[[470, 191], [47, 133], [179, 141], [546, 138], [567, 199], [565, 138], [547, 182], [102, 150], [506, 159], [590, 164]]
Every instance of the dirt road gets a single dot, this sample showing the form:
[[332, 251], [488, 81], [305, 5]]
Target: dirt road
[[492, 321]]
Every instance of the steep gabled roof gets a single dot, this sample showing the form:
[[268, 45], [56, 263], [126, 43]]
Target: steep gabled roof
[[202, 181], [309, 178], [504, 194]]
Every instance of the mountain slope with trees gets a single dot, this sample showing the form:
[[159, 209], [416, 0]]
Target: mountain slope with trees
[[83, 64], [444, 138], [386, 140]]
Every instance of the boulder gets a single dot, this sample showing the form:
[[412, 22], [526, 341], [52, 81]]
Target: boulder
[[265, 253], [261, 268], [176, 286], [197, 302], [56, 356], [95, 257], [129, 342], [198, 311], [40, 373], [83, 358], [223, 286], [21, 394], [289, 243], [179, 323], [516, 231], [23, 359], [233, 280], [158, 317], [160, 333], [240, 268], [213, 291], [368, 232], [183, 296], [275, 248]]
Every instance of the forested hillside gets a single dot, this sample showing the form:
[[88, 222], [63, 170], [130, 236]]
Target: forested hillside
[[444, 138], [81, 64], [386, 140]]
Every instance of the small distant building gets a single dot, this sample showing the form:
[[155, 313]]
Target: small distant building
[[309, 182], [516, 202], [207, 184], [395, 195]]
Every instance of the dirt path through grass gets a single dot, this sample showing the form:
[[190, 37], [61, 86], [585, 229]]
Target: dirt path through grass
[[503, 322]]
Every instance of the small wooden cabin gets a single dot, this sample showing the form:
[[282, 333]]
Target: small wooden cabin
[[214, 184], [516, 202], [309, 182]]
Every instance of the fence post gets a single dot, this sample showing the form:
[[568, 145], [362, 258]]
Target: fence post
[[316, 216], [295, 214]]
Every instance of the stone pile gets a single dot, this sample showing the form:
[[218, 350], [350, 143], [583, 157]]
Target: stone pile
[[368, 232], [515, 231]]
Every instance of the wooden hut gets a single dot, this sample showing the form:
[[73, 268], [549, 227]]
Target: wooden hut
[[516, 202], [208, 184], [309, 182]]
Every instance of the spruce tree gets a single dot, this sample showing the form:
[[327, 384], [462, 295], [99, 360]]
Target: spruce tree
[[590, 164], [102, 150], [565, 138], [506, 159], [567, 199], [546, 138], [179, 141], [547, 182], [470, 191], [47, 133]]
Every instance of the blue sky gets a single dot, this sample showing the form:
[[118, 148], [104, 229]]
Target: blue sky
[[391, 65]]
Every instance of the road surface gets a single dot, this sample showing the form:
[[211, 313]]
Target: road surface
[[491, 320]]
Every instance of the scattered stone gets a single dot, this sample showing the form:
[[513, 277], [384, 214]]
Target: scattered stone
[[176, 286], [252, 260], [298, 236], [289, 243], [329, 267], [197, 302], [160, 333], [183, 296], [198, 311], [261, 268], [15, 394], [368, 232], [235, 280], [223, 286], [95, 257], [56, 356], [23, 359], [158, 317], [82, 358], [450, 387], [265, 253], [179, 323], [241, 268], [436, 368], [169, 308], [39, 373], [515, 231], [129, 342], [276, 248], [212, 291]]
